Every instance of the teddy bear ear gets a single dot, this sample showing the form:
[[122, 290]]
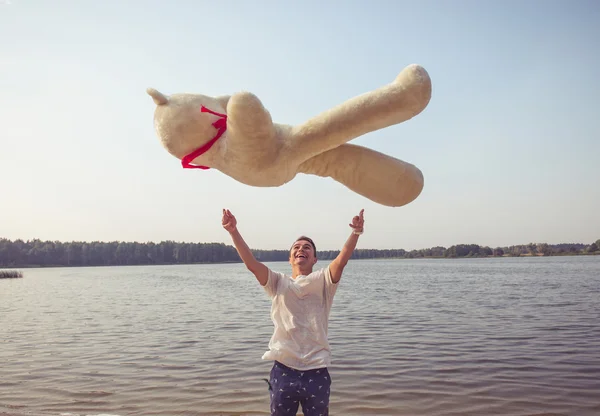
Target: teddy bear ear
[[158, 97]]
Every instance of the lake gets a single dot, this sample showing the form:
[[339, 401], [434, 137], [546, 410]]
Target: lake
[[497, 336]]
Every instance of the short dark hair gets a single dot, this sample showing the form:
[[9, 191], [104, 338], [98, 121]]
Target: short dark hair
[[303, 237]]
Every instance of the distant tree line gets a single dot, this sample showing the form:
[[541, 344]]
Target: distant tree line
[[36, 253]]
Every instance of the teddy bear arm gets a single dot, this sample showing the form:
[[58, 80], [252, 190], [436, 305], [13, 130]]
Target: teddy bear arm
[[248, 118], [374, 175]]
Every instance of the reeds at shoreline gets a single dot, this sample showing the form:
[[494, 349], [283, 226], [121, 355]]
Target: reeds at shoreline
[[10, 274]]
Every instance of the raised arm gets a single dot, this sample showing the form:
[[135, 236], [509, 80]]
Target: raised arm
[[257, 268], [337, 265]]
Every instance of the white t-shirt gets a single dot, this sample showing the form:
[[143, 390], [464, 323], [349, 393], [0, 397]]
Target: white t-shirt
[[300, 312]]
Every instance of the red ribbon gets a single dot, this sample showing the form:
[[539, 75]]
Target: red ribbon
[[221, 126]]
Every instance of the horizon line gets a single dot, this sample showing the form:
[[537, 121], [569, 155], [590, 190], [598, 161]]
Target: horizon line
[[281, 249]]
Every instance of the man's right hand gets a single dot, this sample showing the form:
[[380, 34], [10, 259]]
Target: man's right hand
[[229, 222], [257, 268]]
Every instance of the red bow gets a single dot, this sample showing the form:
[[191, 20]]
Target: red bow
[[221, 126]]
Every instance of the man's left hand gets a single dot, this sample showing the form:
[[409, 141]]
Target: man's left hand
[[358, 222]]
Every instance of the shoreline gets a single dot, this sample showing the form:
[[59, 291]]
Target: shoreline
[[505, 256]]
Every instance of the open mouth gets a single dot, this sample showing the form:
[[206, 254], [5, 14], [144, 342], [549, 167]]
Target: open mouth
[[300, 256]]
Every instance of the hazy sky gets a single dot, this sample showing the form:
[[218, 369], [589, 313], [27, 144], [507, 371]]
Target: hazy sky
[[509, 144]]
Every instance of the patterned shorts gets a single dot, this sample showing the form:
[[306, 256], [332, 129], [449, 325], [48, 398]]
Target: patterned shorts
[[290, 388]]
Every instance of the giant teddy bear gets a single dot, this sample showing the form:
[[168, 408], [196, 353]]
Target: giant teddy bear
[[235, 135]]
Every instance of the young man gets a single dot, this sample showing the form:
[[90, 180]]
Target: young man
[[300, 313]]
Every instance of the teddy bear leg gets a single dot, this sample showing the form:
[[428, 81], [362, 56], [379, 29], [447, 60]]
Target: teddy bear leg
[[397, 102], [376, 176], [248, 119]]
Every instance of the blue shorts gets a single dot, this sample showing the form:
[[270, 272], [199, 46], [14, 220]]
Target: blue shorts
[[290, 388]]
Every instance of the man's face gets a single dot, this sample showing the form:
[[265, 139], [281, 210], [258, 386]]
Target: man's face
[[302, 253]]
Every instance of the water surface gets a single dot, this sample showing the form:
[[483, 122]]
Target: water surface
[[513, 336]]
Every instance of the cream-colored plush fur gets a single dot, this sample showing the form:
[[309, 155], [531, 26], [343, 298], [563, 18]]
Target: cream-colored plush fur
[[257, 152]]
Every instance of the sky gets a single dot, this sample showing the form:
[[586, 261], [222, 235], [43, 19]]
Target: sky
[[509, 144]]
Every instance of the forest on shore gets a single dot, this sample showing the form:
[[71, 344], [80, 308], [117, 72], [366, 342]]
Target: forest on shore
[[37, 253]]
